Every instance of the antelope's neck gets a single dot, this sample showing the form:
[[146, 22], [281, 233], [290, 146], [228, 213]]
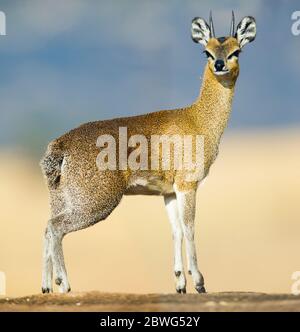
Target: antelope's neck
[[213, 107]]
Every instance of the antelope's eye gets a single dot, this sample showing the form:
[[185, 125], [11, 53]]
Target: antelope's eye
[[209, 55], [236, 54]]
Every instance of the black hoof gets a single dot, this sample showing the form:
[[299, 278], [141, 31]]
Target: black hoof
[[69, 290], [46, 290], [181, 290], [200, 289]]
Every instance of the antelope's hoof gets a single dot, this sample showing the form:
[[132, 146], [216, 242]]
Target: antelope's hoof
[[46, 290], [64, 289], [200, 289], [181, 290]]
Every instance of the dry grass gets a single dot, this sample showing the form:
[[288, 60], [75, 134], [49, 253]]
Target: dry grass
[[248, 226]]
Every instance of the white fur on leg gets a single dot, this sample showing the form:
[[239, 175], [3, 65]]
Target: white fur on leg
[[47, 274], [186, 202], [172, 210], [58, 262]]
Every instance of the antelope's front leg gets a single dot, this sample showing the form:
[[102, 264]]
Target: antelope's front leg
[[186, 201], [172, 210]]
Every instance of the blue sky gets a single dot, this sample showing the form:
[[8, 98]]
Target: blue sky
[[64, 62]]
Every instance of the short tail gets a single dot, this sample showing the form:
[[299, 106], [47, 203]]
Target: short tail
[[51, 164]]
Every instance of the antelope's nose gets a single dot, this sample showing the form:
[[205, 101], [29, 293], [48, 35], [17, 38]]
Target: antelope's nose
[[219, 65]]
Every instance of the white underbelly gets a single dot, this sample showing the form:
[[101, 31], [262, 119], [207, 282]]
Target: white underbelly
[[149, 186]]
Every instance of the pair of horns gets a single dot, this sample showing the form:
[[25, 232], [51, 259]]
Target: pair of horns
[[212, 29]]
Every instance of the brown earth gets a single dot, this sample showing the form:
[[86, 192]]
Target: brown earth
[[97, 301]]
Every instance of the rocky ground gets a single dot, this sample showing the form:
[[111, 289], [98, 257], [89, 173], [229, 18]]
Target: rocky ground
[[96, 301]]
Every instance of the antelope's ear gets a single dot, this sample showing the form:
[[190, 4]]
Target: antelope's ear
[[246, 31], [200, 31]]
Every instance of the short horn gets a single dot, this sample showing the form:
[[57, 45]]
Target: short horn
[[211, 25], [232, 25]]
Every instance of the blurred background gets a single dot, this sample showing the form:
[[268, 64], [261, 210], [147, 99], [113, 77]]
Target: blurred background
[[65, 62]]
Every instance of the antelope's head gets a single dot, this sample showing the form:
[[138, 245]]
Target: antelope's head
[[223, 52]]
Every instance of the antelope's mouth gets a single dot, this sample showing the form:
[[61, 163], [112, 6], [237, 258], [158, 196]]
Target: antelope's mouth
[[221, 72]]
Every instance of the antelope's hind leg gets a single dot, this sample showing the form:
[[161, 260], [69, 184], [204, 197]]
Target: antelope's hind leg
[[72, 220], [47, 265], [53, 258]]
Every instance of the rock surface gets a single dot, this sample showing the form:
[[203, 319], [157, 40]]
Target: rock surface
[[96, 301]]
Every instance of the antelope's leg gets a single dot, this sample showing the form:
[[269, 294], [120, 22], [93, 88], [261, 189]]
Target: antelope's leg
[[186, 201], [55, 232], [172, 210], [47, 264]]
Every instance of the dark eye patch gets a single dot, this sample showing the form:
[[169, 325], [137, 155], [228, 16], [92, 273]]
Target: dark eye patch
[[236, 54], [209, 55]]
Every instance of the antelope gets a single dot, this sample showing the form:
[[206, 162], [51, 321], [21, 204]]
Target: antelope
[[81, 195]]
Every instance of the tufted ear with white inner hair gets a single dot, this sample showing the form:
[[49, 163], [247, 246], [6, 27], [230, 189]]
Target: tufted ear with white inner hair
[[200, 31], [246, 31]]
